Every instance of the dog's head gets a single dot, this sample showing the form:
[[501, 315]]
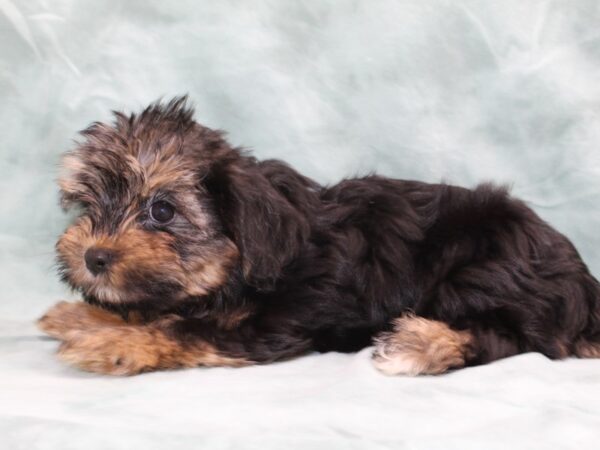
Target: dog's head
[[168, 210]]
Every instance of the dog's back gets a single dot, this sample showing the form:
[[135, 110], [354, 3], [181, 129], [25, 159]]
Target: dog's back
[[473, 259]]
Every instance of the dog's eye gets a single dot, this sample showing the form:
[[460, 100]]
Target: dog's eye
[[162, 211]]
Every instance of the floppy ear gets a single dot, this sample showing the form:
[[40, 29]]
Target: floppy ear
[[267, 228]]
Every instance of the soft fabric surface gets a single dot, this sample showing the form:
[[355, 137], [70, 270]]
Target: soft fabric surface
[[461, 90]]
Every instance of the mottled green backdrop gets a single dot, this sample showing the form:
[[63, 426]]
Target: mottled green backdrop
[[457, 90], [463, 91]]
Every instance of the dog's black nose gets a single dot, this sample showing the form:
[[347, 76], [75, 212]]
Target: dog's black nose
[[98, 260]]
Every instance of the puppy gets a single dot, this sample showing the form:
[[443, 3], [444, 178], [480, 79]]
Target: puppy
[[189, 252]]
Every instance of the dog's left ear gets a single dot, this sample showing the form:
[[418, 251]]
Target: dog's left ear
[[267, 228]]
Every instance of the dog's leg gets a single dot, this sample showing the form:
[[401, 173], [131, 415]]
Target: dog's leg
[[421, 346], [172, 343], [65, 317], [136, 349]]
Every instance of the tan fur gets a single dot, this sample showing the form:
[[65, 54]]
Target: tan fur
[[152, 170], [165, 171], [138, 249], [65, 317], [587, 349], [233, 319], [135, 248], [70, 167], [136, 349], [421, 346], [209, 273]]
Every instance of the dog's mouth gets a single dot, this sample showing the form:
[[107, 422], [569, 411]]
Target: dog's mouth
[[159, 295], [121, 288]]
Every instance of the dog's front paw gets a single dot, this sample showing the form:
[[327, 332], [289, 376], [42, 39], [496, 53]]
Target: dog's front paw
[[60, 319], [65, 317], [116, 350]]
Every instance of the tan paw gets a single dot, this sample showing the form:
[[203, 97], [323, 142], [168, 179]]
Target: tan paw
[[419, 346], [129, 350], [115, 351], [65, 317]]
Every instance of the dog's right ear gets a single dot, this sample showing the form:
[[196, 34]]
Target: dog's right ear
[[267, 229], [71, 187]]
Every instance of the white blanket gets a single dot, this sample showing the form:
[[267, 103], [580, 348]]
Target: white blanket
[[316, 402]]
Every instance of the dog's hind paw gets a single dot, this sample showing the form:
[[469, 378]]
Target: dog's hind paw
[[420, 346]]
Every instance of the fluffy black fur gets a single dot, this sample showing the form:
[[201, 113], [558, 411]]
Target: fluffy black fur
[[328, 268], [359, 254]]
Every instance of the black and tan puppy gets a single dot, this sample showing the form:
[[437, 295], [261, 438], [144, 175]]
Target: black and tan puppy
[[189, 252]]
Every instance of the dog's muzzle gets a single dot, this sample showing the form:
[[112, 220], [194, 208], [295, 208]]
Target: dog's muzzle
[[98, 260]]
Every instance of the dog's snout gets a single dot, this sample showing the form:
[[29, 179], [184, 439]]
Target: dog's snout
[[98, 260]]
